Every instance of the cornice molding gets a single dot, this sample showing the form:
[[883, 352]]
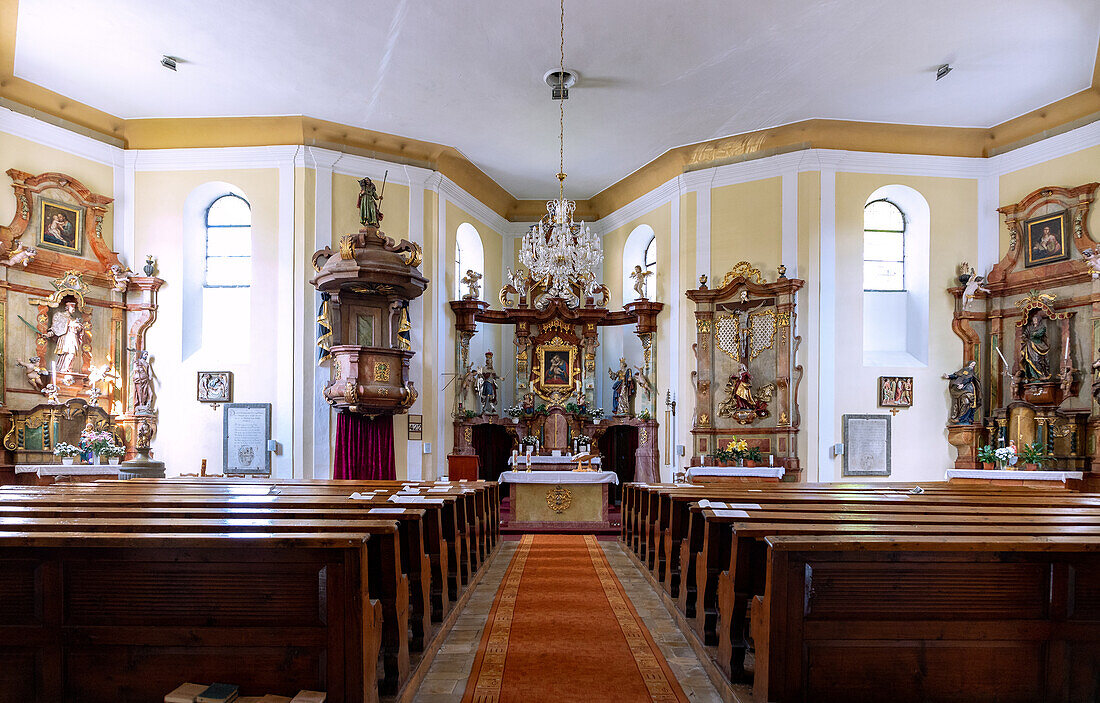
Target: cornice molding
[[219, 158], [1052, 147], [652, 200], [50, 135], [472, 205]]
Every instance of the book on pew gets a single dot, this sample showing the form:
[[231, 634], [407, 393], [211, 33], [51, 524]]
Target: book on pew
[[218, 693], [309, 697], [185, 693]]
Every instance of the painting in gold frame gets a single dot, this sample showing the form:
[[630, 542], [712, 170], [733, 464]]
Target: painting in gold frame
[[556, 372], [60, 226], [1046, 239]]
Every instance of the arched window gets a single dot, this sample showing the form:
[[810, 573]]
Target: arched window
[[883, 246], [640, 250], [896, 252], [469, 256], [228, 243]]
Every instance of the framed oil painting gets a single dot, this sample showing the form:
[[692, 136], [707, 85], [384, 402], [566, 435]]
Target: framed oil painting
[[60, 226], [895, 391], [556, 364], [1046, 239], [215, 387]]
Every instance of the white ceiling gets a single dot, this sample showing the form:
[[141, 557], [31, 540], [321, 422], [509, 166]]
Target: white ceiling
[[654, 75]]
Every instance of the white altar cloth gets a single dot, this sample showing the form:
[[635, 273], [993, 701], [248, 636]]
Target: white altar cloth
[[67, 469], [1005, 475], [739, 471], [541, 459], [559, 476]]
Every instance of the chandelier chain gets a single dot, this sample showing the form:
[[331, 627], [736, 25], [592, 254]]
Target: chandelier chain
[[561, 112]]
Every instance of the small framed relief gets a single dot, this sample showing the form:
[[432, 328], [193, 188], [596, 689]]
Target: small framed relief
[[416, 427], [895, 391], [215, 387]]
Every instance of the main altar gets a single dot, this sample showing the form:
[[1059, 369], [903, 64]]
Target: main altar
[[554, 310]]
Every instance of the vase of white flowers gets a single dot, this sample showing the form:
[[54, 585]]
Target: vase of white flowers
[[1006, 456], [67, 452], [114, 453]]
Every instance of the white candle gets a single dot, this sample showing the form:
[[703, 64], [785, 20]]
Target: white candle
[[53, 372]]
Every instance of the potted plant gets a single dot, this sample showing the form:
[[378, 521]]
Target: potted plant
[[986, 456], [1032, 455], [754, 457], [67, 452], [114, 454], [722, 456]]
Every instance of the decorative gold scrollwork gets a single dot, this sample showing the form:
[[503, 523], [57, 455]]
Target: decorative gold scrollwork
[[559, 499]]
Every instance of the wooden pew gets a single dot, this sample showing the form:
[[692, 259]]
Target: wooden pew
[[117, 617], [974, 619]]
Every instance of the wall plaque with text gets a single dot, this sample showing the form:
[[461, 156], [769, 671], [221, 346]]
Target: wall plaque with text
[[247, 428], [866, 445]]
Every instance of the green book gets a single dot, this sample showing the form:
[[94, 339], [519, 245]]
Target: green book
[[218, 693]]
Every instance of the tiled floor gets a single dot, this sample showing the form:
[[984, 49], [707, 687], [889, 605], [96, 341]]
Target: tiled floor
[[446, 680]]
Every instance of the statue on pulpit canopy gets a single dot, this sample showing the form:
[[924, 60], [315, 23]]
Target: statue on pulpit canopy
[[67, 327], [369, 200], [487, 383], [623, 389], [966, 396], [1035, 366]]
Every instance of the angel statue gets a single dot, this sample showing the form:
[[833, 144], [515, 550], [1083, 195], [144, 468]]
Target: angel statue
[[471, 281], [973, 285], [19, 255], [35, 373], [121, 277], [1092, 260], [640, 275]]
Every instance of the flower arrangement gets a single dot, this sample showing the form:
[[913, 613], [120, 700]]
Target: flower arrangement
[[96, 441], [529, 441], [1006, 456], [1032, 454], [114, 451], [65, 450], [754, 455], [738, 448]]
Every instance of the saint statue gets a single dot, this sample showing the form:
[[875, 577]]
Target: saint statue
[[1095, 377], [623, 389], [741, 385], [68, 328], [369, 200], [1035, 366], [487, 382], [141, 378], [966, 396]]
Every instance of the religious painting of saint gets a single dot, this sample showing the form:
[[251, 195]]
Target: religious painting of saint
[[59, 226], [556, 369], [1046, 240], [895, 391]]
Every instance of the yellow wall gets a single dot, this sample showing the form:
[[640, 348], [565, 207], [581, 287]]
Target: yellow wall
[[1067, 171], [190, 431], [34, 158], [746, 224]]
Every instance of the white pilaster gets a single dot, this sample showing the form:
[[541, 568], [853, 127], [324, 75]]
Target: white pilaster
[[443, 358], [415, 454], [288, 429], [826, 409], [675, 306], [790, 222], [319, 465]]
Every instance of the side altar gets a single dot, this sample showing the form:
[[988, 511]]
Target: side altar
[[556, 309], [1030, 372]]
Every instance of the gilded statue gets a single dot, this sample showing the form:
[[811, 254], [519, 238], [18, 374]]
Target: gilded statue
[[966, 395], [36, 375], [742, 402], [1034, 363], [369, 201], [623, 389]]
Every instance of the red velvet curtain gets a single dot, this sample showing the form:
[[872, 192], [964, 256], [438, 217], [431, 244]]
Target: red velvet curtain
[[364, 448]]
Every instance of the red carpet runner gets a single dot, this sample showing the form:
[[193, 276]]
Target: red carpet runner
[[562, 629]]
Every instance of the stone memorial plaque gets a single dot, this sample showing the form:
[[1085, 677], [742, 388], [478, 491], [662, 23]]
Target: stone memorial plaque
[[866, 445], [247, 428]]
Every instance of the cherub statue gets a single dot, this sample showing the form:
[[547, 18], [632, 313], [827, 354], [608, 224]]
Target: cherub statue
[[643, 381], [973, 285], [121, 276], [1092, 260], [471, 280], [19, 255], [640, 275], [35, 373]]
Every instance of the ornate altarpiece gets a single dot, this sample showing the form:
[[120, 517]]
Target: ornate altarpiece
[[110, 310], [557, 401], [744, 363], [1032, 330]]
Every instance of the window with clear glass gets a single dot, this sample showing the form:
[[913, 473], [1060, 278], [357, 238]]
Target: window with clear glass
[[883, 246], [228, 243], [650, 259]]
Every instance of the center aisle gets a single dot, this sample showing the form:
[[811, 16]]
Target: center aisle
[[562, 629]]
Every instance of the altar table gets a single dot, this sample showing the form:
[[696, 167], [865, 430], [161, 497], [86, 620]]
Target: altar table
[[734, 474], [45, 474], [1004, 477], [559, 499], [542, 462]]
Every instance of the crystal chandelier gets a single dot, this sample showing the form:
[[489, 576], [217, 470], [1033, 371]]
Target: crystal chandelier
[[561, 256]]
